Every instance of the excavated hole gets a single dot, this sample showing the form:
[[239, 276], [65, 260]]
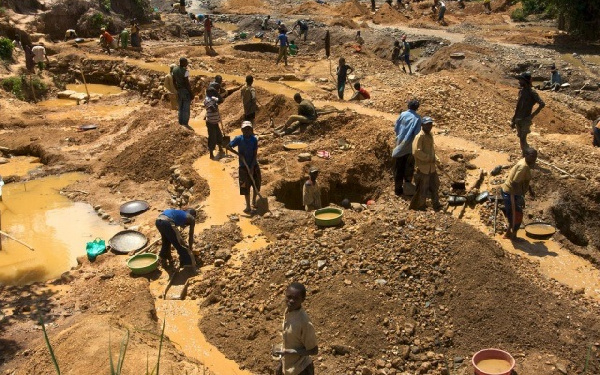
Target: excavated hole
[[333, 191], [257, 47]]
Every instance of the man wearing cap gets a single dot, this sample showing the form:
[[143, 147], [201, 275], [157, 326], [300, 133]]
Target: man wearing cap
[[307, 114], [513, 191], [247, 145], [426, 178], [166, 224], [311, 191], [107, 41], [555, 80], [523, 117], [407, 126], [181, 79]]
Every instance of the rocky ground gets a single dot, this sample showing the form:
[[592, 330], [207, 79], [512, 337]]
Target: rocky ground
[[390, 291]]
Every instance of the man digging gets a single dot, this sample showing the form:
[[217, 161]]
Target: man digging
[[513, 191], [249, 171], [166, 224]]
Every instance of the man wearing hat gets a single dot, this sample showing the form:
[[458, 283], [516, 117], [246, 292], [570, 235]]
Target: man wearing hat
[[523, 117], [426, 178], [181, 79], [249, 171], [555, 80], [407, 126], [311, 192]]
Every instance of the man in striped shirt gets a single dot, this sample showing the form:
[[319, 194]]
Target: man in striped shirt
[[213, 118]]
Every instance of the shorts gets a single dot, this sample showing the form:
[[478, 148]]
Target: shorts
[[246, 182], [523, 126]]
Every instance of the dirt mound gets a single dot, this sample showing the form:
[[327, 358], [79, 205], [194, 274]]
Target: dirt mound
[[352, 8], [388, 15], [447, 59], [151, 156], [344, 22], [245, 6], [311, 8]]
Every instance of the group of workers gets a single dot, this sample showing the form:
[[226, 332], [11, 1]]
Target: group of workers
[[108, 41]]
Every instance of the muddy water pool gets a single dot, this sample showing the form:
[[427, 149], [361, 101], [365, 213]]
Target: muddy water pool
[[58, 229], [20, 166], [95, 88]]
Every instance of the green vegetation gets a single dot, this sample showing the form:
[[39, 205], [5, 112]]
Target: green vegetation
[[6, 48], [14, 85], [581, 17], [518, 15], [114, 370], [2, 11], [106, 5], [97, 20]]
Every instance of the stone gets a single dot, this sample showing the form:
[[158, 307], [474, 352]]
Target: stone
[[223, 254], [219, 262], [381, 282], [4, 160], [305, 156], [321, 264], [186, 182], [339, 349]]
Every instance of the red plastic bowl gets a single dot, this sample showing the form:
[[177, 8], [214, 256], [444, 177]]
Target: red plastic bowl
[[492, 354]]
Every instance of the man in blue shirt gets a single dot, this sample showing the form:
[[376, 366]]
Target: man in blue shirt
[[249, 171], [166, 223], [406, 128], [303, 28], [555, 80], [282, 39]]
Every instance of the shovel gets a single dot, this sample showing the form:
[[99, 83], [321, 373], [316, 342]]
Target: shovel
[[262, 204]]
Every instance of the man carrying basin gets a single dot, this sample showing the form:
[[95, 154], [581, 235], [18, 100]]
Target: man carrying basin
[[166, 224], [513, 191], [249, 171]]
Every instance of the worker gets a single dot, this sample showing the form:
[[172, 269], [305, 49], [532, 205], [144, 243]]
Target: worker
[[406, 54], [299, 336], [523, 117], [181, 79], [107, 41], [513, 191], [170, 86], [208, 25], [249, 100], [372, 5], [487, 4], [311, 191], [360, 93], [293, 48], [29, 59], [554, 82], [265, 23], [166, 224], [70, 34], [359, 42], [218, 85], [342, 72], [123, 39], [281, 28], [406, 128], [442, 11], [182, 7], [282, 39], [426, 177], [136, 41], [213, 118], [39, 56], [307, 114], [247, 145], [1, 184], [303, 28]]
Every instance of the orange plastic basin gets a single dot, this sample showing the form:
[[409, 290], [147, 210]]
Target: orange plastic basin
[[493, 362]]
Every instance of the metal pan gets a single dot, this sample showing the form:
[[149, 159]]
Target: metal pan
[[127, 241], [88, 127], [133, 208], [482, 197], [540, 230], [456, 200]]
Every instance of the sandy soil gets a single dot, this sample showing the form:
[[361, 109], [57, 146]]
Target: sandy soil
[[391, 291]]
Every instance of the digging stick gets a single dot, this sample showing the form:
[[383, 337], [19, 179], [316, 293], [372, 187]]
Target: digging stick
[[86, 86], [145, 248], [555, 167], [17, 240]]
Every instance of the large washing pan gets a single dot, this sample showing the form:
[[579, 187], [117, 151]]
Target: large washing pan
[[133, 208], [127, 241]]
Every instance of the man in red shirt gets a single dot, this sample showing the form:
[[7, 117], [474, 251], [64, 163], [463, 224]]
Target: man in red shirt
[[360, 93], [107, 41]]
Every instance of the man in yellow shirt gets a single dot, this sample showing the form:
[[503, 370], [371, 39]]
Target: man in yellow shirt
[[513, 191], [426, 177], [299, 337]]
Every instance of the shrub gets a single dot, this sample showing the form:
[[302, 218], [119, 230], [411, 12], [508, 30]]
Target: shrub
[[14, 85], [106, 5], [97, 21], [518, 15], [6, 48]]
